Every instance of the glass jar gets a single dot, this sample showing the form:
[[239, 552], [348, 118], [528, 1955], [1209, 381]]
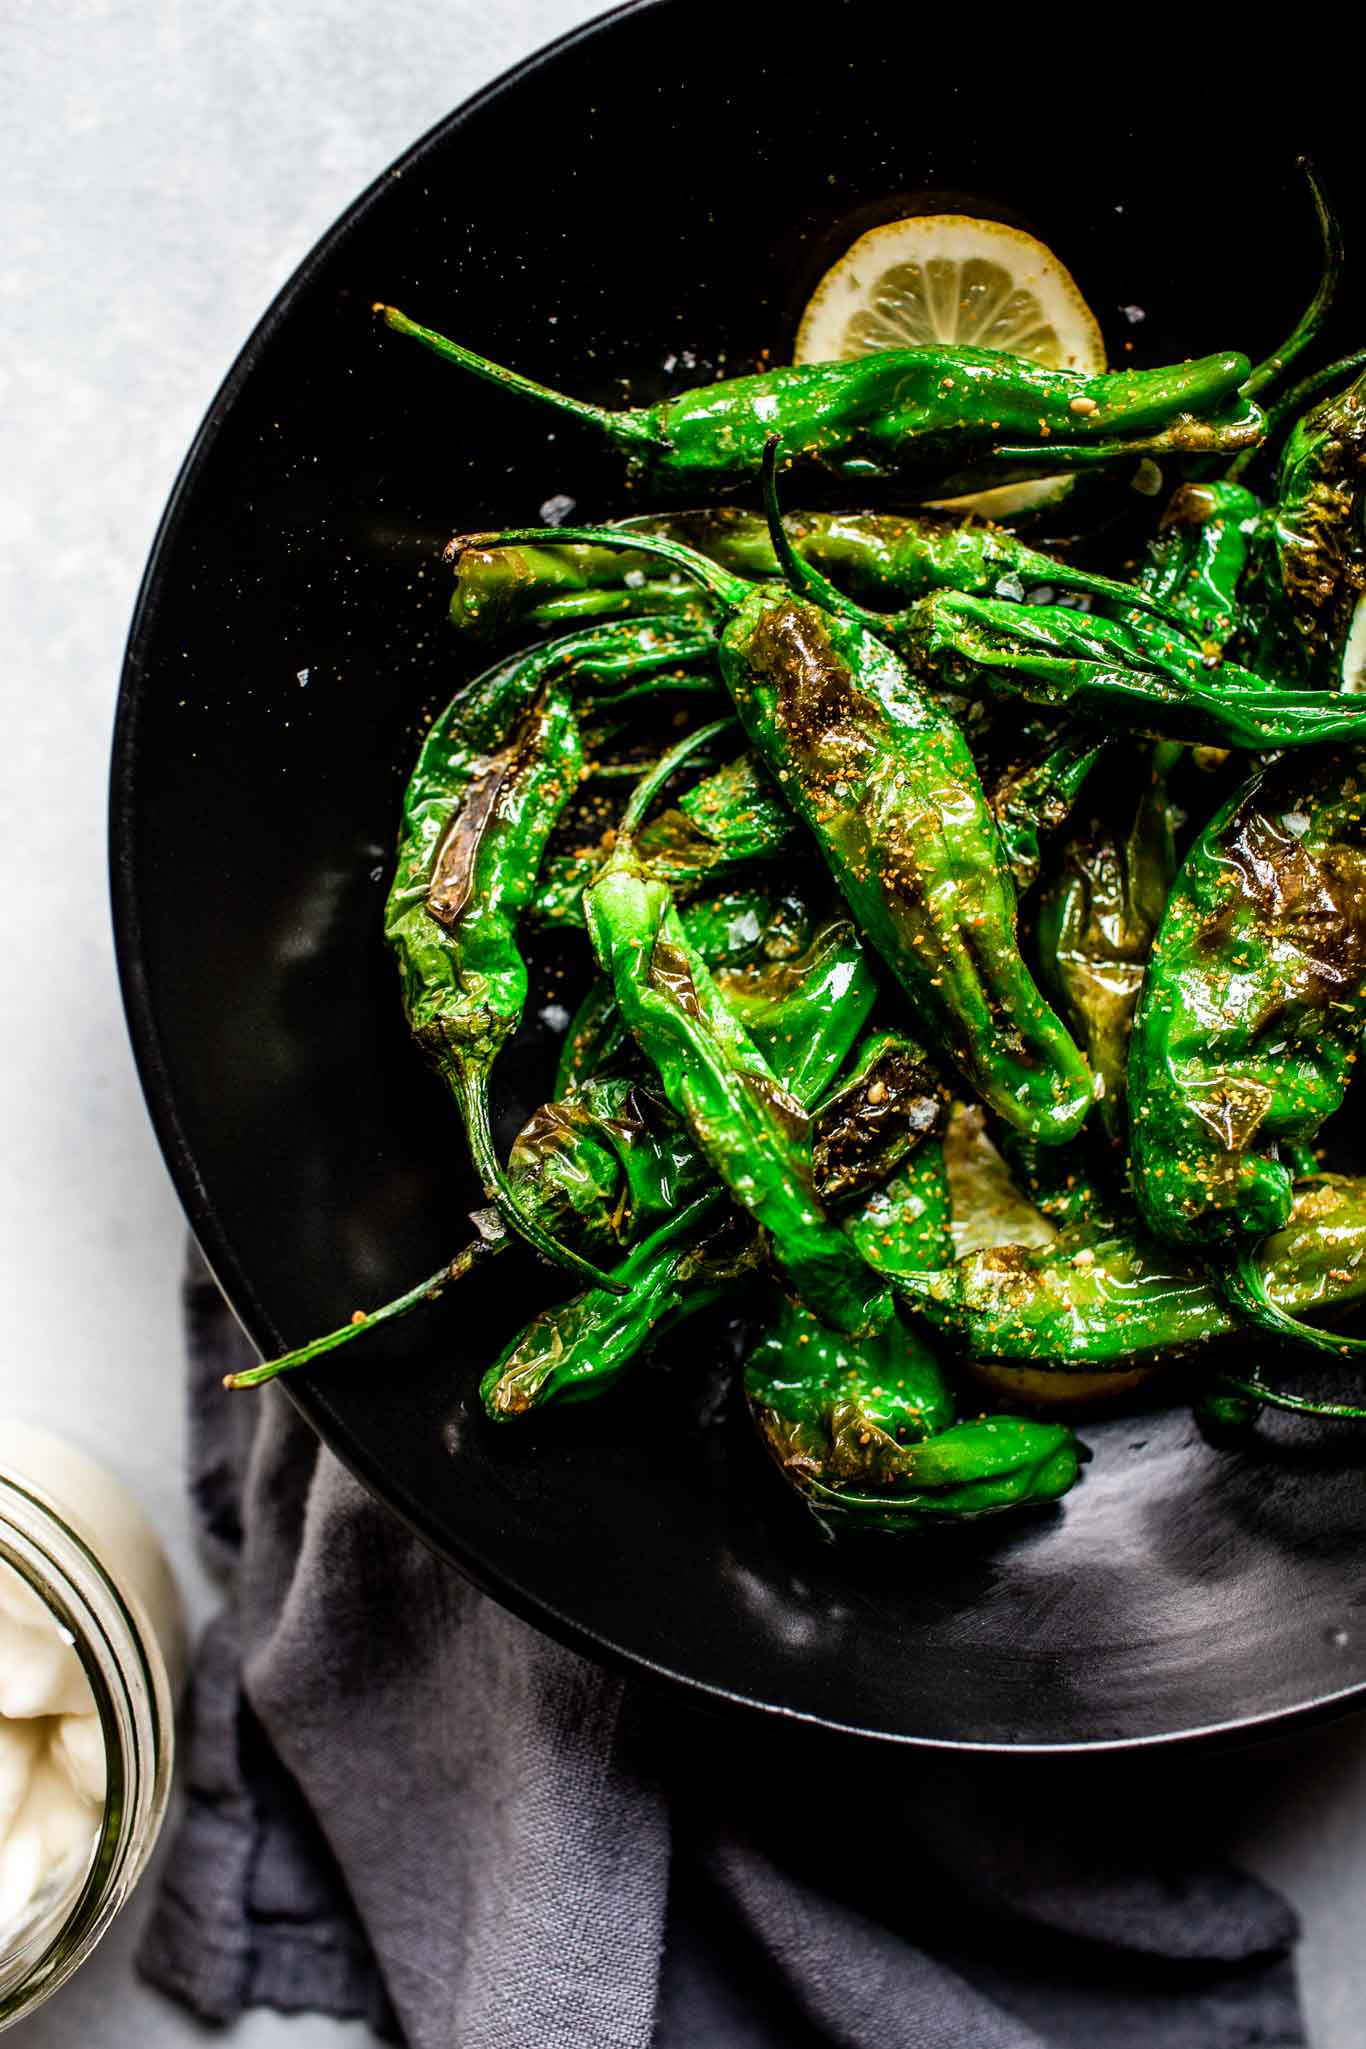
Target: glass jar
[[88, 1581]]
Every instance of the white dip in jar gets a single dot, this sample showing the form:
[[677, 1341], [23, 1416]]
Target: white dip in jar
[[91, 1649]]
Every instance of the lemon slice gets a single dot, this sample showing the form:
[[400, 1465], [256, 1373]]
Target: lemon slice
[[945, 277]]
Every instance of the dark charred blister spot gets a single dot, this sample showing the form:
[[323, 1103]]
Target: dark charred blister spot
[[818, 701], [451, 881], [670, 971]]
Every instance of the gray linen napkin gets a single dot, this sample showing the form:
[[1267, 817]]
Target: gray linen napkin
[[402, 1803]]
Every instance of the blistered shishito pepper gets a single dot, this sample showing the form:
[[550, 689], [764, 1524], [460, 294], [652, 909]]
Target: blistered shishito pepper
[[724, 822], [864, 1431], [584, 1346], [741, 924], [881, 559], [804, 1014], [1115, 1301], [578, 1349], [1251, 1014], [1317, 532], [753, 1131], [1196, 565], [904, 416], [886, 784], [1097, 918], [474, 830], [906, 1223], [605, 1161], [1032, 800]]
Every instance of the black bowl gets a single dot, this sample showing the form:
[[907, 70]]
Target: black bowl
[[654, 195]]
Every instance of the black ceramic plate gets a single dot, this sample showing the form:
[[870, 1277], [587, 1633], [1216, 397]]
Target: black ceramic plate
[[653, 196]]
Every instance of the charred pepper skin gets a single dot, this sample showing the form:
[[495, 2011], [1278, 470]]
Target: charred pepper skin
[[577, 1350], [1318, 536], [1097, 918], [889, 790], [474, 831], [886, 783], [904, 416], [865, 1434], [1248, 1025], [1033, 800]]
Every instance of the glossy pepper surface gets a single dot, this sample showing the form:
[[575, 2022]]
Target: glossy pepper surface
[[754, 1132], [904, 416], [887, 786], [474, 830], [884, 560], [1318, 534], [1250, 1017], [1098, 916], [865, 1432], [1115, 1299]]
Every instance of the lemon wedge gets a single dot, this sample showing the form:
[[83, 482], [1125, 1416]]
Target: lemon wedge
[[946, 277]]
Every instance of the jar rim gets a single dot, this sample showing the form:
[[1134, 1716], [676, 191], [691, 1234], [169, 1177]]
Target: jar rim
[[126, 1670]]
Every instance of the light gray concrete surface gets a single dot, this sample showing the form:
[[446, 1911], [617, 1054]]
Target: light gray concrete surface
[[166, 163]]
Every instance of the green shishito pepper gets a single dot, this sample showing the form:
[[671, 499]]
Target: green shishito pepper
[[577, 1350], [1317, 531], [865, 1432], [1113, 1300], [1196, 564], [724, 822], [1248, 1026], [752, 1130], [904, 416], [494, 775], [464, 877], [887, 786], [881, 559]]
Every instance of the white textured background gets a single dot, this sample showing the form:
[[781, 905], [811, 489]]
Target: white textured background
[[164, 164]]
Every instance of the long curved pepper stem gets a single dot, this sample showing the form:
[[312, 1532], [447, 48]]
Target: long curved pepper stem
[[799, 575], [1296, 401], [668, 765], [425, 1291], [1272, 1398], [1316, 312], [626, 428]]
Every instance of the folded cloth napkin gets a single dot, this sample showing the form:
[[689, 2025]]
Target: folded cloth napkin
[[402, 1803]]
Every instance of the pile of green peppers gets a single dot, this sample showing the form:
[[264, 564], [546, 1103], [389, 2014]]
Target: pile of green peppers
[[972, 922]]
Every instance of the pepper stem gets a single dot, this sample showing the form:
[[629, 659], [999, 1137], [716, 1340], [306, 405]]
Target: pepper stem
[[625, 427], [1244, 1287], [425, 1291], [1316, 312], [1272, 1398], [654, 779], [719, 583], [474, 1103], [801, 576]]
